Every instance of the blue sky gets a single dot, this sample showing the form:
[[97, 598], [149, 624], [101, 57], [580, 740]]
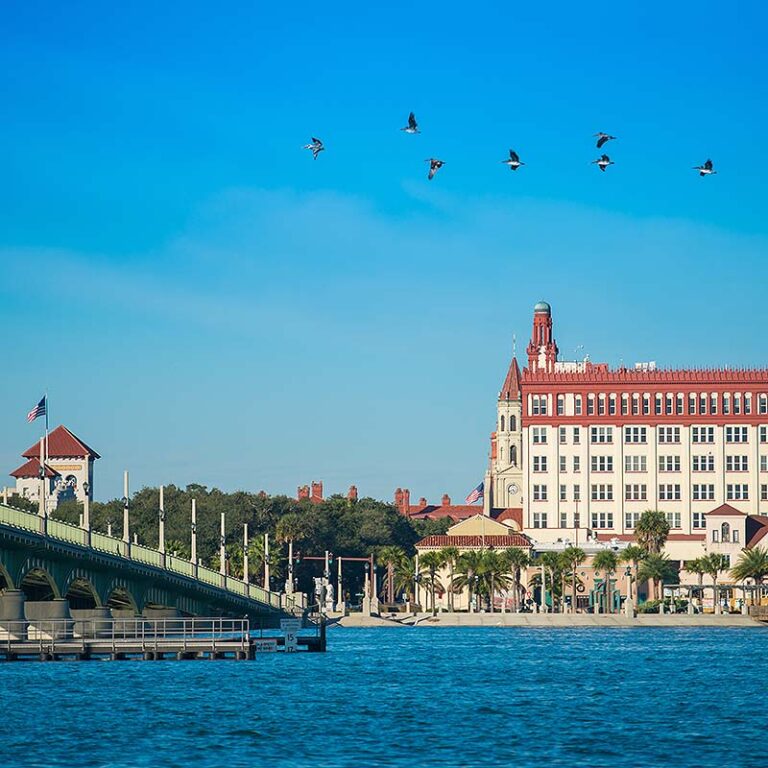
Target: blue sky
[[206, 304]]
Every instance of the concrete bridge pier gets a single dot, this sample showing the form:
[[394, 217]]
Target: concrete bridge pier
[[12, 624], [49, 620], [92, 622]]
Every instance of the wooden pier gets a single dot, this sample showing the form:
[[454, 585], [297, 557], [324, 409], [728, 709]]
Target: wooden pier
[[153, 640]]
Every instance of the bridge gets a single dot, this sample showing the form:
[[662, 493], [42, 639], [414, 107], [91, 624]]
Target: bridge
[[51, 570]]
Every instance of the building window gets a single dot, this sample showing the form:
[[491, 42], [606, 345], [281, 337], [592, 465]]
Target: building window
[[590, 405], [635, 405], [703, 492], [747, 403], [539, 519], [576, 436], [669, 463], [713, 404], [763, 462], [539, 463], [601, 405], [702, 404], [602, 519], [560, 405], [735, 535], [762, 403], [669, 403], [702, 434], [612, 405], [669, 434], [602, 463], [563, 467], [563, 519], [602, 434], [539, 492], [635, 464], [704, 463], [635, 492], [726, 404], [764, 492], [674, 519], [602, 492], [563, 494], [725, 533], [764, 434], [737, 492], [631, 519], [539, 435], [659, 406], [577, 404], [576, 464], [562, 432], [646, 405], [576, 496], [691, 405], [539, 403], [737, 403], [502, 423], [698, 520], [679, 410], [736, 435], [624, 405], [736, 464], [715, 536], [635, 435], [669, 492]]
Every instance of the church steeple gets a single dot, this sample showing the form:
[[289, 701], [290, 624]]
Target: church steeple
[[542, 349]]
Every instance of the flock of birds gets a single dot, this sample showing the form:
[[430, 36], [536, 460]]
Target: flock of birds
[[513, 161]]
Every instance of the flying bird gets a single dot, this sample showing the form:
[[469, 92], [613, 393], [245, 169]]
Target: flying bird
[[316, 146], [603, 162], [602, 138], [706, 169], [514, 160], [434, 167], [413, 126]]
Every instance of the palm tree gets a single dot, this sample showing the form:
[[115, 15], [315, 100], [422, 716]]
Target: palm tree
[[177, 548], [714, 562], [652, 530], [752, 564], [517, 559], [391, 556], [606, 561], [495, 574], [632, 554], [469, 567], [552, 565], [432, 562], [406, 577], [572, 558], [657, 568], [450, 555], [699, 567]]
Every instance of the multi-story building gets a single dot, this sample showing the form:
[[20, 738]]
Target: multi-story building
[[582, 449]]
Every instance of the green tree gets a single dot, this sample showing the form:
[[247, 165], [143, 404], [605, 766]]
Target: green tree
[[517, 560], [432, 562], [606, 561], [392, 557], [714, 563], [633, 554], [572, 558], [752, 564], [469, 567], [698, 566], [652, 530], [494, 575], [656, 568], [450, 556], [177, 548]]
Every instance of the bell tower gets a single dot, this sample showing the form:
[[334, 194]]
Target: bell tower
[[542, 349]]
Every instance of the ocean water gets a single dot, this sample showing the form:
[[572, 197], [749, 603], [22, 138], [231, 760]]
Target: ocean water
[[416, 697]]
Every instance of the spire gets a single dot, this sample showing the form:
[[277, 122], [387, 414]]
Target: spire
[[542, 349], [510, 389]]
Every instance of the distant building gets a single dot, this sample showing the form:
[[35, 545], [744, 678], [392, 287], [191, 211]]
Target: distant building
[[68, 470]]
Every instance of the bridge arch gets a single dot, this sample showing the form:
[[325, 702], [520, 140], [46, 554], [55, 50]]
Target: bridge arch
[[119, 596], [81, 593], [38, 585]]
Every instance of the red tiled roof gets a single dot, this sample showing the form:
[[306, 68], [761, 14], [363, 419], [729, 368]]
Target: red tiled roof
[[32, 469], [599, 373], [512, 513], [62, 444], [454, 511], [510, 389], [760, 533], [497, 542], [727, 509]]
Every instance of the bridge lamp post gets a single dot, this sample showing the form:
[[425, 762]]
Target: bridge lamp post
[[161, 530], [126, 518], [245, 553], [193, 528], [87, 513], [266, 561], [222, 547]]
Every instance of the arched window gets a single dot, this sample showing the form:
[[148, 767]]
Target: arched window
[[513, 454], [725, 532], [502, 422], [513, 424]]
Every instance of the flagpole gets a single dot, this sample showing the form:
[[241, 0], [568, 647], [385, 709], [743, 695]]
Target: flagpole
[[46, 437]]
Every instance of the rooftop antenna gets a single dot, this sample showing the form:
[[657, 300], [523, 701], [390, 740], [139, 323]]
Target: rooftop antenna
[[514, 345], [580, 346]]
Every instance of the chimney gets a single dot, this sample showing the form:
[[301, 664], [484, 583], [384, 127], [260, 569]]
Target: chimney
[[303, 492], [446, 500], [317, 492], [422, 502], [352, 493], [406, 502]]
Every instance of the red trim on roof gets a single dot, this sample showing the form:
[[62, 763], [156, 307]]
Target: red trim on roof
[[727, 509], [498, 542], [62, 444], [510, 389], [32, 469], [600, 374], [454, 511]]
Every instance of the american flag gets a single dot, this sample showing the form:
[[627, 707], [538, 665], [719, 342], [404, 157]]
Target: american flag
[[38, 410], [475, 495]]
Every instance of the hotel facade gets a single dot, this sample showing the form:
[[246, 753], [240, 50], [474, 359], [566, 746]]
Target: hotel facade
[[581, 450]]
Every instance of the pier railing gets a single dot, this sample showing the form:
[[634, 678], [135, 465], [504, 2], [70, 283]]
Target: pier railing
[[139, 553]]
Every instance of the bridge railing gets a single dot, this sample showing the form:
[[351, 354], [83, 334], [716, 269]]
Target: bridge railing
[[61, 531]]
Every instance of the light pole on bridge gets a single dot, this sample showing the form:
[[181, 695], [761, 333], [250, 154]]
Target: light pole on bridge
[[126, 520], [161, 533], [193, 548]]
